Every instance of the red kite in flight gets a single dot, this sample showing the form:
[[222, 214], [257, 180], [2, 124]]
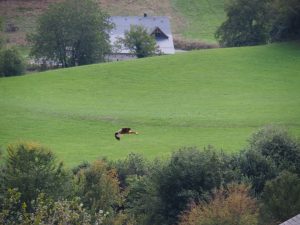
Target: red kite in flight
[[119, 133]]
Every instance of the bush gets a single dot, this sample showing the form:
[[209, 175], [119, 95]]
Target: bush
[[257, 169], [276, 144], [32, 169], [192, 45], [231, 205], [46, 211], [281, 197], [98, 187], [191, 175], [139, 42], [133, 165], [11, 63]]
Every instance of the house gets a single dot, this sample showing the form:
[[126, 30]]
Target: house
[[159, 26], [293, 221]]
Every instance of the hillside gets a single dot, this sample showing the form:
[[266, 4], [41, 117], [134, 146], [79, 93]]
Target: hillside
[[216, 97], [192, 19]]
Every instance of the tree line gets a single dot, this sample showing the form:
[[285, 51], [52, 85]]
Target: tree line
[[258, 185], [259, 21]]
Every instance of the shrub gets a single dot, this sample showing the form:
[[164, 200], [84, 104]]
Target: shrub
[[11, 63], [46, 211], [192, 45], [98, 187], [32, 169], [257, 169], [12, 210], [231, 205], [281, 197], [133, 165], [276, 144], [270, 151], [191, 175], [139, 42]]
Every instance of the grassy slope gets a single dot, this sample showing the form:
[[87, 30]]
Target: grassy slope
[[214, 97], [203, 18]]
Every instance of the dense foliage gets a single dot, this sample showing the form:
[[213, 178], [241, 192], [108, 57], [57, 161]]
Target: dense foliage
[[32, 169], [281, 197], [284, 20], [191, 187], [139, 42], [1, 29], [71, 33], [11, 62], [98, 187], [191, 175], [245, 24], [257, 22], [230, 205]]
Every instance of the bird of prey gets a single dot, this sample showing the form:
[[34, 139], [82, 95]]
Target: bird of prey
[[122, 131]]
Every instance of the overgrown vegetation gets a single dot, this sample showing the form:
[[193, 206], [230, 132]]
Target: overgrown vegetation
[[192, 187]]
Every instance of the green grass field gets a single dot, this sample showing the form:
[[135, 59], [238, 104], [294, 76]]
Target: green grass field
[[202, 18], [218, 97]]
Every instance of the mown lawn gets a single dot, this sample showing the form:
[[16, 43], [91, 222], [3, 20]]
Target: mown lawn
[[218, 97]]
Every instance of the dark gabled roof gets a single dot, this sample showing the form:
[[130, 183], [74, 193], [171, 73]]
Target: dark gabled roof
[[158, 33], [151, 23], [293, 221]]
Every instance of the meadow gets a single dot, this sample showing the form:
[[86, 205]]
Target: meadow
[[213, 97], [201, 18]]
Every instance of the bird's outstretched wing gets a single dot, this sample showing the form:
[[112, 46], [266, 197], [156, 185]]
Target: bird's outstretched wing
[[118, 136]]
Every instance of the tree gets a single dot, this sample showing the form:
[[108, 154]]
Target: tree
[[281, 197], [231, 205], [276, 144], [246, 23], [72, 32], [285, 20], [46, 211], [11, 63], [190, 175], [270, 151], [1, 29], [98, 187], [257, 169], [32, 169], [133, 165], [139, 42]]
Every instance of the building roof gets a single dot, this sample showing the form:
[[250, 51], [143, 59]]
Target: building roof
[[151, 23], [293, 221]]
